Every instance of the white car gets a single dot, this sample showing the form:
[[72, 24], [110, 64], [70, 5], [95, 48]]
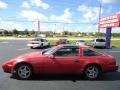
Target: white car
[[80, 42], [99, 43], [38, 42]]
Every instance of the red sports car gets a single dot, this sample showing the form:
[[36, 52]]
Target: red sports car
[[62, 59]]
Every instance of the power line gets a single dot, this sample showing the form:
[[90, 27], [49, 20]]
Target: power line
[[22, 20]]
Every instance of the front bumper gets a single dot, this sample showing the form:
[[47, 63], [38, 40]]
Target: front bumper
[[8, 68], [33, 45]]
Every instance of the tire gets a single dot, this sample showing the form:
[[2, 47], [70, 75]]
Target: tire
[[41, 46], [31, 47], [92, 72], [94, 46], [24, 72]]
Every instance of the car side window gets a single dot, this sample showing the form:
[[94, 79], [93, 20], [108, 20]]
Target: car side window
[[36, 39], [45, 40], [88, 52], [67, 52], [42, 40]]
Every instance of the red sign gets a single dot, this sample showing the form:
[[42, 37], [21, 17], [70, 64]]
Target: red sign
[[110, 21]]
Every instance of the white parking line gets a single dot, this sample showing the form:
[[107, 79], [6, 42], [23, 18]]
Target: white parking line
[[114, 51], [22, 49]]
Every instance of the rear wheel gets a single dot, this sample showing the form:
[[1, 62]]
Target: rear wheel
[[92, 72], [24, 71]]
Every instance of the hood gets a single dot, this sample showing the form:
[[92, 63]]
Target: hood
[[26, 57], [30, 55]]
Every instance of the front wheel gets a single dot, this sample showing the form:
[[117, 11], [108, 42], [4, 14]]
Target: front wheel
[[24, 72], [31, 47], [41, 46], [92, 72]]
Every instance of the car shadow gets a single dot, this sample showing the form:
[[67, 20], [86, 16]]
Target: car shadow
[[114, 76]]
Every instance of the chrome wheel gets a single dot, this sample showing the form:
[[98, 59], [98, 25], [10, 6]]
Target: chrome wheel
[[92, 72], [24, 72]]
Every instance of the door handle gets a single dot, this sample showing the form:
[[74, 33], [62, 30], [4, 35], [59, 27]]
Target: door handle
[[76, 61]]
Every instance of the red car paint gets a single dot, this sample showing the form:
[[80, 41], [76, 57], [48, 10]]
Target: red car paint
[[61, 65]]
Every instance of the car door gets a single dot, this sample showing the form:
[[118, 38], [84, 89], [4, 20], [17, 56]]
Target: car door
[[65, 61]]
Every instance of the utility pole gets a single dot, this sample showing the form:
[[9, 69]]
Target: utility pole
[[100, 9], [38, 28], [54, 28], [63, 27]]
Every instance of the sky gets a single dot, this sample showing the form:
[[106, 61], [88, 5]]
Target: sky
[[56, 15]]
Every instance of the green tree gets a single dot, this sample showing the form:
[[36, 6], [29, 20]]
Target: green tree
[[26, 32], [15, 31], [32, 32], [5, 32]]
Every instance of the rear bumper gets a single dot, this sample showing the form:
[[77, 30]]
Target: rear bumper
[[99, 45], [111, 69]]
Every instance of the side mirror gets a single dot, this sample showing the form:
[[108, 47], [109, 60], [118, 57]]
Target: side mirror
[[51, 56]]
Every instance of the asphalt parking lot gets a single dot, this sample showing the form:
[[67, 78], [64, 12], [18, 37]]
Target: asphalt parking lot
[[9, 49]]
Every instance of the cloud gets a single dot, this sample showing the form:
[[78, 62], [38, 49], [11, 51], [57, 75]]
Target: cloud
[[89, 13], [3, 4], [25, 5], [109, 1], [65, 17], [10, 25], [39, 3], [33, 15]]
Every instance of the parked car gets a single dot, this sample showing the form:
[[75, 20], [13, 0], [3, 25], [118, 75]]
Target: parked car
[[80, 42], [62, 41], [38, 42], [61, 59], [99, 43]]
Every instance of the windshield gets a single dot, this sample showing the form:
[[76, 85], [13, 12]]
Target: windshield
[[100, 40], [36, 39], [49, 51], [63, 40], [81, 41]]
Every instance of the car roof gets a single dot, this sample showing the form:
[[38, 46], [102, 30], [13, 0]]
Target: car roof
[[72, 45], [100, 38], [38, 38], [81, 40]]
